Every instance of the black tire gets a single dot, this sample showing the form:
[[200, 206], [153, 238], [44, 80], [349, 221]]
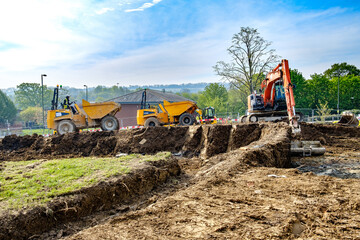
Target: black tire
[[109, 123], [152, 122], [243, 119], [251, 118], [186, 119], [300, 116], [65, 126]]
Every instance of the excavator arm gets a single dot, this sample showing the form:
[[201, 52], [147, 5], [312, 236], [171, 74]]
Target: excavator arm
[[281, 71]]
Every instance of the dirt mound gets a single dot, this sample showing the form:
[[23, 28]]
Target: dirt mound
[[191, 141], [334, 137], [14, 142], [327, 131]]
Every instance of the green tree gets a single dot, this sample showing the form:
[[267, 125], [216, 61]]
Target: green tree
[[323, 110], [192, 96], [214, 95], [341, 70], [237, 101], [32, 114], [251, 59], [29, 95], [349, 87], [301, 90], [319, 90], [100, 99], [7, 109]]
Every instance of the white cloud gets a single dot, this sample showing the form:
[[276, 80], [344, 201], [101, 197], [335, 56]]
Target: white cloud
[[134, 10], [60, 38], [144, 6], [104, 10]]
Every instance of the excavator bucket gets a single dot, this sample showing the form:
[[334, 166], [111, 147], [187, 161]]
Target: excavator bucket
[[348, 119]]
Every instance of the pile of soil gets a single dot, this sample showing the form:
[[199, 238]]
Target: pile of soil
[[188, 140]]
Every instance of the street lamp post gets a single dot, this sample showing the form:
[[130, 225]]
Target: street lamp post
[[338, 103], [86, 87], [42, 99]]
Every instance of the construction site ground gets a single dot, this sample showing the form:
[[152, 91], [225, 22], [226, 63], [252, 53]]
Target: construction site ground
[[222, 182]]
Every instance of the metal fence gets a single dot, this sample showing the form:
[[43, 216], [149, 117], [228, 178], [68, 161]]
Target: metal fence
[[309, 115]]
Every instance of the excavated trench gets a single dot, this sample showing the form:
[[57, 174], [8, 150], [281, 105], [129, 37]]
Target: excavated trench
[[189, 141], [224, 150]]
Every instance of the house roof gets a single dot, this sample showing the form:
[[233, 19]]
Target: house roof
[[152, 96]]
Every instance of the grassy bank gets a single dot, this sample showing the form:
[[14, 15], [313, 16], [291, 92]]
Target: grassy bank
[[29, 183]]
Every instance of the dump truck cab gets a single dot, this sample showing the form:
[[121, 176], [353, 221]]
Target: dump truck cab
[[157, 112]]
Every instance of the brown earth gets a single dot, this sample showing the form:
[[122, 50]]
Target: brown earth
[[234, 186]]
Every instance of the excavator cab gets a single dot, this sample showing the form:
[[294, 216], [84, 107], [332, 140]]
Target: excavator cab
[[279, 98], [255, 102]]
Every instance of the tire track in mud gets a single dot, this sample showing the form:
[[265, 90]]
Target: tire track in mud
[[224, 150]]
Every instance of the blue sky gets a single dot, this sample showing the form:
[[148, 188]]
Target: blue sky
[[136, 42]]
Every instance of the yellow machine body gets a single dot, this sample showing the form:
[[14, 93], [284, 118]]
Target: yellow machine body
[[166, 113], [88, 117]]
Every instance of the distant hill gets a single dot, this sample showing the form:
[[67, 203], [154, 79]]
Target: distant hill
[[100, 93], [176, 88]]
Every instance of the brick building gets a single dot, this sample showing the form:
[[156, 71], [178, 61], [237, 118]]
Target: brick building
[[131, 102]]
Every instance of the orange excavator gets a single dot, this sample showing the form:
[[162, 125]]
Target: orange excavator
[[276, 100]]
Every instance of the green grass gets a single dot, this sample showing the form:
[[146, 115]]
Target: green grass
[[30, 183], [37, 131], [48, 131]]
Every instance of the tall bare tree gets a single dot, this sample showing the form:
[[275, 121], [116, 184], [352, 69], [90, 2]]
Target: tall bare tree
[[251, 60]]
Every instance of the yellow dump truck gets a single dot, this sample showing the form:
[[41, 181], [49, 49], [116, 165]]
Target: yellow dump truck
[[92, 115], [167, 113]]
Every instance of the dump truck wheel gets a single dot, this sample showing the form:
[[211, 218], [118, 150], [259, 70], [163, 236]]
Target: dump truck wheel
[[66, 126], [152, 122], [186, 119], [109, 123]]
